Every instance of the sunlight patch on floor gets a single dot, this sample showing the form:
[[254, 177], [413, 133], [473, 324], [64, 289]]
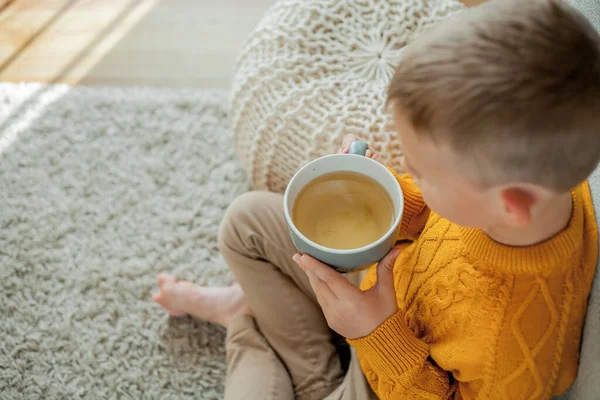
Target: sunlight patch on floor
[[70, 36], [23, 113]]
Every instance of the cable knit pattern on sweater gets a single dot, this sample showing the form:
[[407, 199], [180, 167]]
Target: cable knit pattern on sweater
[[316, 70], [480, 320]]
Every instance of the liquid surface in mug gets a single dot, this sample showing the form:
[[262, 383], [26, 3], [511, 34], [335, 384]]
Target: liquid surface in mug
[[343, 210]]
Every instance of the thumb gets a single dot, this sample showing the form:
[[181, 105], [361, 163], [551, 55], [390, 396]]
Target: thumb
[[385, 269]]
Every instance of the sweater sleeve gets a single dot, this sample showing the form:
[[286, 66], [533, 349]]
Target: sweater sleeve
[[399, 366], [415, 212]]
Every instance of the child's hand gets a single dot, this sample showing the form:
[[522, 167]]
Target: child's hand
[[349, 311], [348, 139]]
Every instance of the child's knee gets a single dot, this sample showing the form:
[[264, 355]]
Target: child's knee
[[239, 219]]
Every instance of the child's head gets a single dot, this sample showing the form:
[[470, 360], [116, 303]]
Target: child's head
[[498, 109]]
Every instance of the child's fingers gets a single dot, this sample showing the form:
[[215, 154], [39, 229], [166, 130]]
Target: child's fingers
[[323, 292], [370, 153], [312, 268], [378, 158], [334, 280], [348, 139]]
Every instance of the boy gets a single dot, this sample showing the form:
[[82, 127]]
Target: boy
[[498, 111]]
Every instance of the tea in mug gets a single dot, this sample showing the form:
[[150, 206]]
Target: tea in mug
[[343, 210]]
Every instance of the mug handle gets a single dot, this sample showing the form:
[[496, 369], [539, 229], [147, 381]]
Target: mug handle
[[358, 147]]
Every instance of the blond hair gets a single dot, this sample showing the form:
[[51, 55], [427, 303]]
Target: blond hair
[[513, 86]]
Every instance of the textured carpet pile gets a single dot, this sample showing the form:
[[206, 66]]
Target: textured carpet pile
[[100, 189]]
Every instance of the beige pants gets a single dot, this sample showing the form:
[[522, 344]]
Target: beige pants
[[287, 351]]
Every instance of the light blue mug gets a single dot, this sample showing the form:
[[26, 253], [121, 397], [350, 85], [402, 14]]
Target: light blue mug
[[351, 260]]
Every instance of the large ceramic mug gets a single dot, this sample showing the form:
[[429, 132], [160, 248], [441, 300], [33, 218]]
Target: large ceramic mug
[[351, 260]]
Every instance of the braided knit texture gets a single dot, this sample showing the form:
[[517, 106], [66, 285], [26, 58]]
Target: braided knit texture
[[480, 320], [316, 70]]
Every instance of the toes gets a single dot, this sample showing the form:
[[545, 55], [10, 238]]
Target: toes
[[167, 289], [176, 314], [159, 299], [161, 279]]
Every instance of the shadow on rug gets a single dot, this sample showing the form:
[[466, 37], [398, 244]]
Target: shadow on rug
[[101, 189]]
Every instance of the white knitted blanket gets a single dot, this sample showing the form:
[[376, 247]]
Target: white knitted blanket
[[316, 70]]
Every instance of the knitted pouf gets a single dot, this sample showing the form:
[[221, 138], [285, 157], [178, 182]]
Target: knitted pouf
[[316, 70]]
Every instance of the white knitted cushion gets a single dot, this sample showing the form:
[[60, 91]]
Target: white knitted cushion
[[316, 70]]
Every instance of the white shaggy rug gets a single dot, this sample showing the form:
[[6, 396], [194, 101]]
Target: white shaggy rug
[[101, 189]]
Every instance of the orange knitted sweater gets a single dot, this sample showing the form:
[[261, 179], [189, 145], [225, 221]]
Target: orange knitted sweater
[[478, 319]]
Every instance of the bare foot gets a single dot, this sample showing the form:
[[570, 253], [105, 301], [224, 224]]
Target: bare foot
[[218, 305]]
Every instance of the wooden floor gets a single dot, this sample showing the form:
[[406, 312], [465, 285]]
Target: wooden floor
[[191, 43], [177, 43]]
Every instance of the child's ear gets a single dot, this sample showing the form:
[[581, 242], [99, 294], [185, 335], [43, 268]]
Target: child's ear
[[518, 203]]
